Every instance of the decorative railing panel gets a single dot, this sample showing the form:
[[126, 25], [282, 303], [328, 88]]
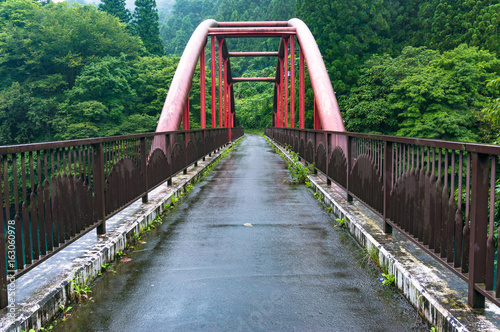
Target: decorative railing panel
[[444, 196], [159, 168], [53, 193], [124, 184]]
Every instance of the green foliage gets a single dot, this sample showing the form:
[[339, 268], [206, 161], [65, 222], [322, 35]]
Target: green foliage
[[24, 117], [368, 107], [43, 49], [492, 109], [65, 312], [146, 26], [80, 289], [442, 101], [445, 24], [51, 44], [116, 8], [422, 93], [254, 101], [297, 170], [389, 279], [345, 49]]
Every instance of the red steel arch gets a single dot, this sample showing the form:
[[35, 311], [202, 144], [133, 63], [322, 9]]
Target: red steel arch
[[328, 113]]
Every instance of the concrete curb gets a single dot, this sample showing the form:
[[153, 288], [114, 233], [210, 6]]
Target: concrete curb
[[415, 279], [43, 306]]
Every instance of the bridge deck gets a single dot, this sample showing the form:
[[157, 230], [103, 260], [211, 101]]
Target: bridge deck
[[203, 269]]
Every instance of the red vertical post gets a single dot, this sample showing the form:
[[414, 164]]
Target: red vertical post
[[212, 55], [292, 82], [276, 106], [229, 114], [225, 93], [281, 94], [301, 88], [185, 118], [317, 123], [203, 118], [278, 111], [220, 41], [230, 121], [286, 82]]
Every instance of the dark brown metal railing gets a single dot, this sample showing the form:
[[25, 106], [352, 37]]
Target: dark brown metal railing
[[53, 193], [439, 194]]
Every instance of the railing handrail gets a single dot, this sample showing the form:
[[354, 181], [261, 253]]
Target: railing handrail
[[30, 147], [461, 146]]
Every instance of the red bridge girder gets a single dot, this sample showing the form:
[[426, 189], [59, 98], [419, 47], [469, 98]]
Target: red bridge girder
[[327, 114]]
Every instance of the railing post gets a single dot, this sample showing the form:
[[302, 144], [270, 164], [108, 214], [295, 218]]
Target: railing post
[[98, 171], [387, 176], [144, 169], [168, 152], [478, 227], [328, 138], [348, 164]]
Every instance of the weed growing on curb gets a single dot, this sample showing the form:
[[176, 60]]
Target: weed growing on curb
[[389, 279], [65, 312], [80, 289], [340, 222], [297, 170]]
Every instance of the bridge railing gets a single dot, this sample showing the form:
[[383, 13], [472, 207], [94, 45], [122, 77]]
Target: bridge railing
[[443, 196], [53, 193]]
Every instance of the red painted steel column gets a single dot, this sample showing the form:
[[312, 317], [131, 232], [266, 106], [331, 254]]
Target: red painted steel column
[[220, 41], [278, 111], [185, 119], [281, 94], [286, 82], [212, 55], [277, 96], [229, 108], [225, 93], [317, 123], [292, 81], [203, 115], [228, 114], [301, 88]]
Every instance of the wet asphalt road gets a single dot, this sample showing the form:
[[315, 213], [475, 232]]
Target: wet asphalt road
[[204, 270]]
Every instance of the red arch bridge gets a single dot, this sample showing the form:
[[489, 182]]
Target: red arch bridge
[[439, 194]]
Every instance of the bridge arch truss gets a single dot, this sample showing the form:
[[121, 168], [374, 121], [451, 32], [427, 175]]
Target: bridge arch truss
[[293, 34]]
